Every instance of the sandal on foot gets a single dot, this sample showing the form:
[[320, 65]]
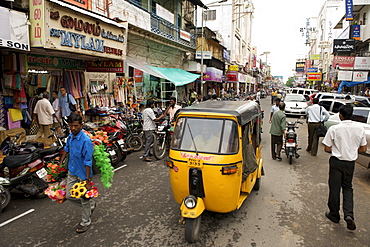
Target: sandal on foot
[[81, 229]]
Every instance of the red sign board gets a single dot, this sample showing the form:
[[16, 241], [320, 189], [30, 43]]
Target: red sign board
[[314, 76], [105, 66], [232, 76], [342, 62], [138, 76]]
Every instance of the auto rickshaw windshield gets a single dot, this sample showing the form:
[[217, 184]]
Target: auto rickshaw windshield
[[206, 135]]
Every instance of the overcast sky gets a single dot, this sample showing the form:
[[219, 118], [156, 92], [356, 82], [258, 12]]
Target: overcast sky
[[276, 27]]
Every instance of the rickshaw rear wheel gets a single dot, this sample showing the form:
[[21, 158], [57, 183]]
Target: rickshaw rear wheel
[[192, 227], [257, 185]]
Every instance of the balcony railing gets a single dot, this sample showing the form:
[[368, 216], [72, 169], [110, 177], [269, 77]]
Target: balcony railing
[[170, 31], [165, 28]]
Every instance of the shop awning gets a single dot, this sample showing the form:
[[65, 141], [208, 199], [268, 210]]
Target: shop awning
[[141, 65], [351, 84], [177, 76]]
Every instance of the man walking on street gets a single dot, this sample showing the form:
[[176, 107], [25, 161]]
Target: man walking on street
[[315, 115], [277, 131], [80, 149], [148, 128], [274, 108], [344, 141], [45, 114]]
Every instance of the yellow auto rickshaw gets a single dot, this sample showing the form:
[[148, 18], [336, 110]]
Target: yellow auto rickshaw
[[215, 158]]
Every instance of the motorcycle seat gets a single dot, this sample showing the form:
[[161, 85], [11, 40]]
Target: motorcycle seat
[[14, 161], [48, 151]]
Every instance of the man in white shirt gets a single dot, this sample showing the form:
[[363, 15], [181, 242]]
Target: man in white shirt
[[274, 108], [344, 141], [171, 110], [315, 115], [45, 114], [148, 128]]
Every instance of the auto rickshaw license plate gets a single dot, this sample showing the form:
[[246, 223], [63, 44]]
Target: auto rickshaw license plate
[[195, 163]]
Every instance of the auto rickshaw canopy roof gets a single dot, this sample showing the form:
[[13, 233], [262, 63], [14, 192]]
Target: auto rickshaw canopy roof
[[244, 111]]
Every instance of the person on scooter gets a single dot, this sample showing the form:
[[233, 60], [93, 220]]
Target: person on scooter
[[80, 150]]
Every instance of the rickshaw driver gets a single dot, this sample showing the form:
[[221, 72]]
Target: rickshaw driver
[[208, 139]]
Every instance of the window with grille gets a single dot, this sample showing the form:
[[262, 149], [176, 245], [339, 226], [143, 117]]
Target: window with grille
[[210, 15]]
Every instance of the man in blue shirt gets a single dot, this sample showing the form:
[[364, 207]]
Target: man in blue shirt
[[80, 149], [64, 101]]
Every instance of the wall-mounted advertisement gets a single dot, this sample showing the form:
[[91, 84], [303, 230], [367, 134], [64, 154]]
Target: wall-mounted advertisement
[[314, 76], [300, 66], [343, 62], [37, 10], [362, 63], [344, 45], [14, 30], [345, 75], [359, 76]]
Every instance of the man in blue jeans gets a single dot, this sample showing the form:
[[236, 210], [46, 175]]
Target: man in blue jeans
[[80, 149]]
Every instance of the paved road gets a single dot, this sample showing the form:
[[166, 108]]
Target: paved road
[[139, 210]]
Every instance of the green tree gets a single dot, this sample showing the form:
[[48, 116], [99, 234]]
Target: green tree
[[290, 81]]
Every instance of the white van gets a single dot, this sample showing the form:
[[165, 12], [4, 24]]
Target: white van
[[304, 91]]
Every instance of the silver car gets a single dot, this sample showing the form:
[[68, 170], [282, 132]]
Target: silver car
[[361, 116]]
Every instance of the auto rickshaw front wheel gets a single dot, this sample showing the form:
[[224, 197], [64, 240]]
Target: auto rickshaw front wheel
[[192, 227]]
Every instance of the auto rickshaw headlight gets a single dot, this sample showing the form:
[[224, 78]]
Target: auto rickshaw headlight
[[190, 202], [229, 170]]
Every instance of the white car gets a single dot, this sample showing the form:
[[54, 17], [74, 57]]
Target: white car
[[295, 104], [361, 116]]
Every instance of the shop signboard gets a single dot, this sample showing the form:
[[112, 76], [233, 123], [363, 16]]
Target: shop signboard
[[314, 76], [14, 30], [362, 63], [138, 76], [185, 35], [37, 9], [206, 54], [345, 75], [242, 77], [360, 76], [213, 74], [79, 3], [232, 76], [315, 57], [233, 68], [55, 62], [105, 66], [83, 33], [312, 70], [344, 45], [356, 32], [299, 67], [343, 62], [349, 10]]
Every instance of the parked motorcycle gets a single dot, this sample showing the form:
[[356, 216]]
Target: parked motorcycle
[[291, 141], [132, 139], [23, 172], [162, 139]]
